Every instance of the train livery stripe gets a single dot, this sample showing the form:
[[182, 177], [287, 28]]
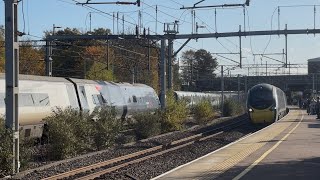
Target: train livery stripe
[[77, 92]]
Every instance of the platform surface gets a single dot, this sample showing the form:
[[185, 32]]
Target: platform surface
[[288, 149]]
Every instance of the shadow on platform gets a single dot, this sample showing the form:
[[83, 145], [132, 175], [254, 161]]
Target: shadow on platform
[[285, 170]]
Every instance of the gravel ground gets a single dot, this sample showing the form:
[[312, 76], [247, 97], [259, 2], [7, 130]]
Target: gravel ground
[[161, 164], [167, 163]]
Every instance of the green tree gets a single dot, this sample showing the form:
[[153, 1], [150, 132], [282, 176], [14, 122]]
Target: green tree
[[188, 68], [205, 64], [197, 65]]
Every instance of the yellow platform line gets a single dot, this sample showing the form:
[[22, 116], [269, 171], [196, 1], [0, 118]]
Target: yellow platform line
[[266, 153]]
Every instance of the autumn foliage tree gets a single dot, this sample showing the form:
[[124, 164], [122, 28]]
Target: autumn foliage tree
[[2, 49], [31, 60]]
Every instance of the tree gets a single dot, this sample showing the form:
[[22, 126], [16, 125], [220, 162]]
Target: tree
[[88, 58], [2, 52], [197, 66], [96, 59], [205, 65], [31, 60], [188, 67]]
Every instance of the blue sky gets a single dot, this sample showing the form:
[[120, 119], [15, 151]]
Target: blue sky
[[41, 15]]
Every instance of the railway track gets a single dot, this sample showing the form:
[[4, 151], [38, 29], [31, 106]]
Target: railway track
[[96, 170]]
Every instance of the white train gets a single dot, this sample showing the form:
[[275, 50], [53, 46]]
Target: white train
[[193, 98], [38, 96]]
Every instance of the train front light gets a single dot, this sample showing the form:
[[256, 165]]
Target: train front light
[[250, 110], [272, 108]]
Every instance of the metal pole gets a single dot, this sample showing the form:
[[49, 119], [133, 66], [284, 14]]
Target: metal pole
[[113, 23], [313, 84], [118, 23], [289, 68], [90, 20], [108, 49], [192, 21], [84, 68], [215, 20], [123, 24], [314, 17], [246, 84], [133, 75], [170, 43], [156, 19], [266, 68], [278, 18], [149, 58], [239, 88], [48, 58], [286, 37], [240, 47], [244, 19], [163, 74], [222, 89], [12, 77]]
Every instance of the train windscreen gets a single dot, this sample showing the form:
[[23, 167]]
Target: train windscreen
[[261, 98]]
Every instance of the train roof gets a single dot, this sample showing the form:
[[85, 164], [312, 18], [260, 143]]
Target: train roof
[[37, 78], [193, 93], [86, 81], [263, 85], [83, 81]]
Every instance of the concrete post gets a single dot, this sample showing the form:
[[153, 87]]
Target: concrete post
[[222, 91], [163, 75], [170, 46], [12, 77]]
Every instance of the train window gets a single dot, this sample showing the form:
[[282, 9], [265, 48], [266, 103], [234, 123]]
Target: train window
[[41, 99], [2, 103], [95, 99], [72, 96], [101, 99], [83, 98], [27, 133], [98, 99], [134, 99], [25, 99]]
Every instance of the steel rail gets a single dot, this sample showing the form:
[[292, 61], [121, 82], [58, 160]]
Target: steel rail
[[174, 145]]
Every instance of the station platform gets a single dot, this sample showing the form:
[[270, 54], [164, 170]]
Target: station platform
[[288, 149]]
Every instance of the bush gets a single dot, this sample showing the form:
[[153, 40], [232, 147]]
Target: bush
[[106, 127], [232, 108], [68, 133], [5, 149], [147, 125], [174, 115], [203, 112]]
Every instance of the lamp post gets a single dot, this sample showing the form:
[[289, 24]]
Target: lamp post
[[54, 27], [49, 52]]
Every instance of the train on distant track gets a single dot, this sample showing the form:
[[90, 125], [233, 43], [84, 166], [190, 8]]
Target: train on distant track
[[266, 104], [39, 95], [193, 98]]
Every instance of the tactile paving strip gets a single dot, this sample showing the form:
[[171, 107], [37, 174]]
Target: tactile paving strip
[[217, 163]]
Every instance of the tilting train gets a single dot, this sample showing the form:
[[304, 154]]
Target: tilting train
[[266, 103], [39, 95]]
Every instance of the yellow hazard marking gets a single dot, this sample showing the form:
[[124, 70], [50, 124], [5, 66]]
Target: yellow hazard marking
[[266, 153]]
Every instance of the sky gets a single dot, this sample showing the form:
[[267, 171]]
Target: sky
[[37, 16]]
